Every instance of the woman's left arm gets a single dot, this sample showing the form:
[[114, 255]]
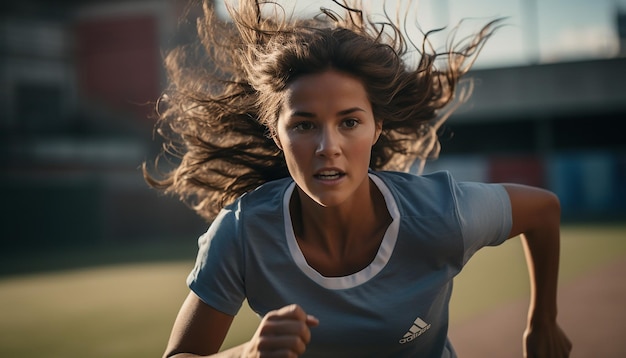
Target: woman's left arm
[[536, 218]]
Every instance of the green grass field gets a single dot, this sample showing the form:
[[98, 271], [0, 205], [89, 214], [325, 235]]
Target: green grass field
[[127, 309]]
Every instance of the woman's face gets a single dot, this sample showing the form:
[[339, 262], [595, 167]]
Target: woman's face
[[326, 130]]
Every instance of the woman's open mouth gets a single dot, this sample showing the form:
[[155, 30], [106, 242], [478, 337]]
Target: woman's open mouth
[[329, 175]]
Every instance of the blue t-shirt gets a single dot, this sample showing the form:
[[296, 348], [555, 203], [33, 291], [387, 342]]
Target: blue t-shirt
[[395, 307]]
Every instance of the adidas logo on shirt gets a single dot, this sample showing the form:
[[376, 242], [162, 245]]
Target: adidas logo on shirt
[[416, 330]]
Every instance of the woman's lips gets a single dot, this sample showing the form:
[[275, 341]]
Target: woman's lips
[[330, 174]]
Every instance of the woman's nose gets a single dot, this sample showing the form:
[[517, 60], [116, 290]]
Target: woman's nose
[[328, 143]]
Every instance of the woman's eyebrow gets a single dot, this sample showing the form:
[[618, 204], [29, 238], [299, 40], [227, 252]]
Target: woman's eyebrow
[[350, 110], [340, 113], [303, 114]]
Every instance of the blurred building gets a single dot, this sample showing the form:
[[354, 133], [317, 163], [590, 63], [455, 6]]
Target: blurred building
[[79, 80], [554, 126]]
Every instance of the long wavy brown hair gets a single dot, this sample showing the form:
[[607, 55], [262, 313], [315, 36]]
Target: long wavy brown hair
[[219, 114]]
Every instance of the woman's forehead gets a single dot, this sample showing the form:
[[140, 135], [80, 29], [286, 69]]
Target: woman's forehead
[[330, 87]]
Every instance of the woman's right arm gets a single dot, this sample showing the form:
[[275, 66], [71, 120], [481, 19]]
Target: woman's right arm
[[199, 328], [199, 331]]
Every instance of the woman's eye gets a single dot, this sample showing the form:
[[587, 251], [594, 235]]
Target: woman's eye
[[350, 123], [303, 126]]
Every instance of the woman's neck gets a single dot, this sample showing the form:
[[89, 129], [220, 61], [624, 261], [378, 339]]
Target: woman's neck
[[340, 239]]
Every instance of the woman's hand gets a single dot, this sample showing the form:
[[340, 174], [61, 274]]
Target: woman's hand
[[546, 340], [282, 333]]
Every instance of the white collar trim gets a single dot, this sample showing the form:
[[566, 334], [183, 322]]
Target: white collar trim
[[382, 256]]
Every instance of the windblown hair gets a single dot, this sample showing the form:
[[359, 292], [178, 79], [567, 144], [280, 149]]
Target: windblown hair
[[218, 117]]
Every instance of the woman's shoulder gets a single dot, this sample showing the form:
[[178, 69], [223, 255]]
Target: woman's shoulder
[[263, 202], [420, 193], [267, 198], [438, 191], [411, 182]]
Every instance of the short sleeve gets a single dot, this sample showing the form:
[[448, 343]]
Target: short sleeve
[[217, 278], [485, 215]]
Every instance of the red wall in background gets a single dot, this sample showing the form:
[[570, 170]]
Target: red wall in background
[[529, 170], [118, 62]]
